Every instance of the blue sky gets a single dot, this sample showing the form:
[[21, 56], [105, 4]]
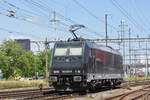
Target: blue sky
[[32, 18]]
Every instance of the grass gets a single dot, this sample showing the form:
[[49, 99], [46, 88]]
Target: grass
[[36, 83], [18, 84], [135, 78]]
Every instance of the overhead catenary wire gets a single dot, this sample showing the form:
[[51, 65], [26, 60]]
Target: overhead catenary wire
[[40, 25], [18, 11], [140, 16], [93, 15], [11, 5], [89, 12], [23, 19], [18, 8], [4, 9], [47, 9], [137, 12], [126, 14], [37, 7], [143, 17], [16, 32], [4, 5], [20, 33], [58, 14], [89, 30]]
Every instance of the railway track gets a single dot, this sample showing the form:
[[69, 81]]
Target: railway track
[[22, 93], [139, 94], [38, 94], [135, 83], [54, 96], [49, 93]]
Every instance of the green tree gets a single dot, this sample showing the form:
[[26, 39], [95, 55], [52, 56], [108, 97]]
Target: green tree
[[42, 62], [4, 65], [15, 60], [9, 52]]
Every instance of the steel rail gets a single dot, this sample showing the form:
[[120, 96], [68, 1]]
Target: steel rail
[[23, 93], [123, 95]]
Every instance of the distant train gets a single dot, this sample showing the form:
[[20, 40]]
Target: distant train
[[84, 65]]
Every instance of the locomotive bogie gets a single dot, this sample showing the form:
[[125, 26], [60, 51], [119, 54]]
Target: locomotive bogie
[[71, 82]]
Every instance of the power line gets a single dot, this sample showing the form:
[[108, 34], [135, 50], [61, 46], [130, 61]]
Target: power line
[[23, 19], [38, 8], [45, 9], [4, 5], [50, 10], [40, 25], [15, 12], [137, 12], [91, 14], [125, 13], [88, 30], [4, 9], [145, 19], [20, 33], [58, 14], [122, 11], [14, 6]]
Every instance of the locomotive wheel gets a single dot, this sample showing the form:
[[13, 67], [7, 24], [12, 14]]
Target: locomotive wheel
[[57, 88], [92, 88], [85, 91]]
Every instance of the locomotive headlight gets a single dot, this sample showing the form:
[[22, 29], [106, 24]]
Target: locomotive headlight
[[56, 71], [77, 71], [53, 78], [77, 78]]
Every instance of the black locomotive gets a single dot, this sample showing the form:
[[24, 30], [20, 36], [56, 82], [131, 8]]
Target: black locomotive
[[82, 65]]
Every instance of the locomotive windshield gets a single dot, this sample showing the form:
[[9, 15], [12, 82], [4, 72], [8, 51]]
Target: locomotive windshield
[[75, 51], [60, 51], [68, 50]]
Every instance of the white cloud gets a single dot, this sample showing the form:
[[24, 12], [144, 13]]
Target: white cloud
[[31, 19], [20, 37]]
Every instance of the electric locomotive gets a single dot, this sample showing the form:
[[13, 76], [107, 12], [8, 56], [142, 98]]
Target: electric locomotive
[[83, 65]]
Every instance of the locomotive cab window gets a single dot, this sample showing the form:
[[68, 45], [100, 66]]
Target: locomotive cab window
[[68, 50], [60, 51], [75, 50]]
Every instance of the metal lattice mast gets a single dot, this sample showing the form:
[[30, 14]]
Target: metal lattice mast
[[54, 20], [122, 25], [46, 57]]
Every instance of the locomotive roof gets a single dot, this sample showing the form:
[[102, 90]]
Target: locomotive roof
[[93, 45]]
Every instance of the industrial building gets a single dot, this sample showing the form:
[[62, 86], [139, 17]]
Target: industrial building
[[25, 43]]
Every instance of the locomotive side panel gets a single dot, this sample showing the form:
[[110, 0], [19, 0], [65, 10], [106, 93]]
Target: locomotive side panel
[[104, 65]]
